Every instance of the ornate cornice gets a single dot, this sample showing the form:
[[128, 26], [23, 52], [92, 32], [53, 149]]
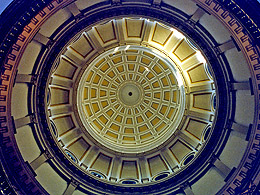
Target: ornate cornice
[[244, 30]]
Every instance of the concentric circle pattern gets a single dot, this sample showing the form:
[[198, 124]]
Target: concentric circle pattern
[[117, 109], [131, 99], [130, 94]]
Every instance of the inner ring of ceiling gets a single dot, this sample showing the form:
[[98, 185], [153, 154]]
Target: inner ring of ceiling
[[119, 94]]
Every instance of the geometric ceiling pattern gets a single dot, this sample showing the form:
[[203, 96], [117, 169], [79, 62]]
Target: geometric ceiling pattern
[[129, 97], [132, 101]]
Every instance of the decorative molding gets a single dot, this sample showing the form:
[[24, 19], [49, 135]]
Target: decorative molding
[[251, 52]]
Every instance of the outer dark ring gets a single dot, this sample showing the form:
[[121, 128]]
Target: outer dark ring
[[205, 43], [12, 22]]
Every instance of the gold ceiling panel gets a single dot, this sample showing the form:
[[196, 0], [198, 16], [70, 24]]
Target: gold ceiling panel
[[198, 74], [202, 101], [63, 124], [82, 46], [184, 50], [161, 34], [102, 163], [79, 147], [129, 169], [66, 69], [69, 136], [112, 136], [156, 165], [106, 32], [134, 27], [59, 96], [196, 127], [179, 149]]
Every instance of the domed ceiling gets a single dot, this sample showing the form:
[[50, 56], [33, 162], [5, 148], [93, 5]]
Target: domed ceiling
[[129, 97]]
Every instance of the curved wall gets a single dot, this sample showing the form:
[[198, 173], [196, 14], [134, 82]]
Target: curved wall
[[29, 166]]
